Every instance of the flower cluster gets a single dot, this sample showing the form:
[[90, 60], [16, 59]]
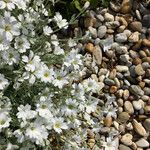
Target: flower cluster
[[41, 99]]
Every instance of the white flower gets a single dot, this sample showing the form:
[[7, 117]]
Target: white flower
[[4, 120], [46, 75], [4, 44], [10, 4], [9, 26], [11, 56], [3, 82], [87, 117], [70, 109], [54, 40], [19, 134], [59, 124], [21, 4], [110, 144], [37, 133], [25, 112], [62, 23], [47, 30], [43, 108], [60, 79], [58, 50], [32, 61], [110, 111], [90, 85], [71, 42], [11, 146], [21, 44]]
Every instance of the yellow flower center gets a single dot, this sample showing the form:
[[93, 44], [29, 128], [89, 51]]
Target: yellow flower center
[[7, 28], [2, 122]]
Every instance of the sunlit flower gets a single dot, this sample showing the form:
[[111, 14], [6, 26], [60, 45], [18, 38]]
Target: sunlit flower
[[3, 82], [47, 30], [110, 144], [9, 4]]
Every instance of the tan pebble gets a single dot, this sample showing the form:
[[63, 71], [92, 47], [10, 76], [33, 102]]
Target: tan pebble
[[108, 121], [142, 53], [113, 89], [91, 145], [89, 47], [126, 94], [90, 134], [89, 22], [122, 21], [127, 32], [146, 42], [146, 59], [122, 128], [147, 109], [127, 139], [136, 26], [91, 140], [134, 37], [142, 143], [117, 82], [137, 61], [110, 31], [128, 107], [139, 70], [116, 125], [126, 6], [147, 51], [112, 74], [139, 128], [94, 76], [123, 117], [120, 109], [121, 29], [97, 52], [134, 146], [147, 124], [142, 84], [108, 17]]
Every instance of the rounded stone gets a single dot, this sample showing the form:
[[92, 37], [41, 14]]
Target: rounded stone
[[147, 124], [121, 37], [139, 70], [136, 26], [102, 31], [142, 143], [128, 107], [127, 139]]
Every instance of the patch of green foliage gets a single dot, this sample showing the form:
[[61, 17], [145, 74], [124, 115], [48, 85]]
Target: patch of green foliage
[[69, 7]]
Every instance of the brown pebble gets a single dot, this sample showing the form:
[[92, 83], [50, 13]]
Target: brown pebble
[[108, 121], [146, 59], [89, 21], [113, 89], [146, 42], [137, 61], [89, 47], [137, 45], [126, 6], [136, 26], [142, 84]]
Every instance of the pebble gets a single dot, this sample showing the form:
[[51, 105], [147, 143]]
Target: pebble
[[134, 37], [121, 37], [108, 121], [146, 42], [136, 26], [108, 17], [89, 21], [142, 143], [97, 52], [120, 68], [126, 6], [123, 117], [139, 128], [93, 32], [137, 105], [128, 107], [115, 7], [147, 124], [113, 89], [100, 17], [102, 31], [127, 139], [89, 47], [139, 70], [147, 109], [136, 90], [123, 147], [146, 20]]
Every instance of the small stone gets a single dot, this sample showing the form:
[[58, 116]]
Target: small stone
[[108, 121], [90, 134], [147, 109], [121, 37], [123, 147], [123, 117], [108, 17], [134, 146], [147, 124], [102, 31], [100, 17], [137, 105], [139, 70], [129, 126], [89, 21], [109, 81], [126, 6], [89, 47], [120, 68], [138, 15], [137, 61], [126, 94], [121, 50], [93, 32], [128, 107], [136, 90], [113, 89], [115, 7], [97, 52], [142, 143], [121, 29], [146, 20], [136, 26], [134, 37], [127, 139], [146, 42], [127, 32], [139, 128], [146, 59]]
